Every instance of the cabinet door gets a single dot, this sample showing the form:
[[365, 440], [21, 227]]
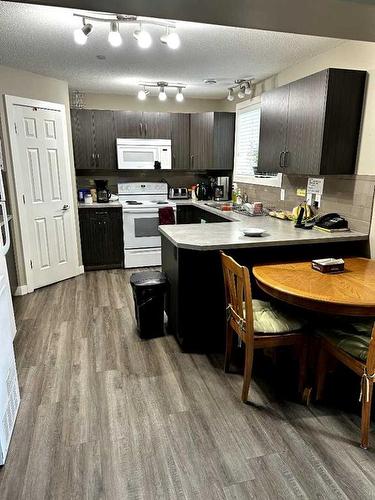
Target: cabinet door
[[83, 138], [273, 129], [156, 125], [307, 103], [101, 238], [105, 140], [224, 124], [180, 123], [201, 140], [128, 124]]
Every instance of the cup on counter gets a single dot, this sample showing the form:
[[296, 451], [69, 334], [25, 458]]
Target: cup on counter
[[88, 199]]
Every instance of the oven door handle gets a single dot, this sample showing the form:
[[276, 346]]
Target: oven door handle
[[142, 211]]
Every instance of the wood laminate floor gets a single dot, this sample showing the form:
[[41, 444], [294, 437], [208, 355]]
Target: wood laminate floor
[[105, 415]]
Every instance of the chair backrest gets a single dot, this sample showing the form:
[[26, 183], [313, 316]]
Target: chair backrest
[[237, 295]]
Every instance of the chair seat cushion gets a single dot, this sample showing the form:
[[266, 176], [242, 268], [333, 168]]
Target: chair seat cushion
[[271, 319], [352, 336]]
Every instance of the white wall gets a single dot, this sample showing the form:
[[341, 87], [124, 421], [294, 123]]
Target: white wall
[[131, 103], [25, 84]]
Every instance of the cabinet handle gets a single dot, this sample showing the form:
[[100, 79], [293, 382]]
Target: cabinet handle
[[141, 128], [145, 129], [286, 156], [192, 161], [93, 159], [282, 159]]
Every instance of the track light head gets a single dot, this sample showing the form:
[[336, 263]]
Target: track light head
[[142, 94], [179, 95], [241, 92], [230, 96], [114, 37], [171, 39], [143, 38], [162, 94], [81, 34]]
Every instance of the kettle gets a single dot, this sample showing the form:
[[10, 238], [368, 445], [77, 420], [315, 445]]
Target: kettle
[[202, 191]]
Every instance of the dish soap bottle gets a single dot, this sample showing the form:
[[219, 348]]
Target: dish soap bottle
[[234, 193]]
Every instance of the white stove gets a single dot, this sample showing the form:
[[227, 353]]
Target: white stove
[[141, 202]]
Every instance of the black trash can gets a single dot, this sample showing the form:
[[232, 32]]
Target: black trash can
[[149, 289]]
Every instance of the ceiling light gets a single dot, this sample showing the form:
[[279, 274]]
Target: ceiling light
[[114, 36], [81, 34], [143, 38], [162, 94], [247, 88], [179, 95], [142, 94], [230, 95], [241, 92], [171, 39]]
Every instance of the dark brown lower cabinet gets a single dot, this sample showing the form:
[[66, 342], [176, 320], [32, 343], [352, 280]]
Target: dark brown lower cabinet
[[102, 238]]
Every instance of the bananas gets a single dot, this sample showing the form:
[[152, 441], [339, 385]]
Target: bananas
[[307, 214]]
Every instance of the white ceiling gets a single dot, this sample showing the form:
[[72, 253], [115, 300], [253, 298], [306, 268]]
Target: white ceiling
[[40, 39]]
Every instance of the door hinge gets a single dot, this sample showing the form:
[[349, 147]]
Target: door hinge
[[15, 128], [31, 264]]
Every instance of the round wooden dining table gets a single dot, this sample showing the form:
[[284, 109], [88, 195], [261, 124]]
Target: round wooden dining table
[[351, 293]]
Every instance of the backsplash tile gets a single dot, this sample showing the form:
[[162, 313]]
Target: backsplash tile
[[350, 196]]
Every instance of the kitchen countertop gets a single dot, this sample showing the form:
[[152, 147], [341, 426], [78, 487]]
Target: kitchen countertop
[[224, 235], [110, 204]]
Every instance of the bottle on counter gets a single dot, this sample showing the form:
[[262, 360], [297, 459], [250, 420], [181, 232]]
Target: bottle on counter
[[239, 197], [234, 193], [88, 199]]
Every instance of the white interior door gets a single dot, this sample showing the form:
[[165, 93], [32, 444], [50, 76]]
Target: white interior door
[[43, 160]]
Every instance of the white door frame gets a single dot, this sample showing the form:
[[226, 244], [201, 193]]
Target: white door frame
[[10, 103]]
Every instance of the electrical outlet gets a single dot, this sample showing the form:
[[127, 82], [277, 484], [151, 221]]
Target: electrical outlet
[[282, 194]]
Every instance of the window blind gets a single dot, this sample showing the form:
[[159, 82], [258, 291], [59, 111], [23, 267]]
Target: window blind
[[247, 143]]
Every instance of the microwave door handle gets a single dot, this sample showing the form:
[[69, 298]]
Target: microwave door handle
[[5, 247]]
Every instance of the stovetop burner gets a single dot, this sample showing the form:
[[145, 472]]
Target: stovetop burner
[[133, 202]]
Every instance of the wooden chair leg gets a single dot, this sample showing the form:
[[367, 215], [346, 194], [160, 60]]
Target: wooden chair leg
[[321, 372], [228, 348], [249, 356], [302, 365], [366, 417]]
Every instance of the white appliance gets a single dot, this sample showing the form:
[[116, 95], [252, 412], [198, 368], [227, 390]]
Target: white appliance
[[141, 203], [135, 154], [9, 390]]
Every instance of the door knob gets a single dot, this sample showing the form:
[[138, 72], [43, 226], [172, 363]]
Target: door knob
[[65, 207]]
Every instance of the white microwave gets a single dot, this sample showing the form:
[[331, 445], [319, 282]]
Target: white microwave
[[135, 154]]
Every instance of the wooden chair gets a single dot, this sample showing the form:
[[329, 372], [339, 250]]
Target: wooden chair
[[240, 321], [365, 369]]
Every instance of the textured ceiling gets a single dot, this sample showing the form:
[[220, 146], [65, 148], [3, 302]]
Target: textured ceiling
[[40, 39]]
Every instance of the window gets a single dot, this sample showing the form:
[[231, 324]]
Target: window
[[247, 148]]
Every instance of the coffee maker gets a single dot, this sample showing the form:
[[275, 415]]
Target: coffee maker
[[221, 189], [103, 194]]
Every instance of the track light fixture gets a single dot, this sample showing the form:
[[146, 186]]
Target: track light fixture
[[243, 87], [81, 34], [143, 37], [241, 92], [171, 39], [230, 96], [114, 36], [179, 95], [142, 94], [144, 91]]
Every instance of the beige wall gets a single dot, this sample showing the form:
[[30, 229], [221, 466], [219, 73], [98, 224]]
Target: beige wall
[[131, 103], [25, 84]]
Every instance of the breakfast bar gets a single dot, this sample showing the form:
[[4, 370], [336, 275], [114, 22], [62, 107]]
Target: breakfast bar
[[191, 261]]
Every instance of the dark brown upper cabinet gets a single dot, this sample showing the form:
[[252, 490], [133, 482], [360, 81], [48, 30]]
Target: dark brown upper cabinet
[[83, 138], [180, 135], [311, 126], [201, 140], [211, 141], [94, 140], [142, 125]]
